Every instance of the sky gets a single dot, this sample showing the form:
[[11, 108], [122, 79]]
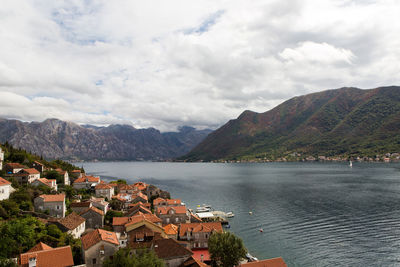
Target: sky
[[165, 64]]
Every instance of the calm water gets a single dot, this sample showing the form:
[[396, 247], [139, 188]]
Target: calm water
[[313, 214]]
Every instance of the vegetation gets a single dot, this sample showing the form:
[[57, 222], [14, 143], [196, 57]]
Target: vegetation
[[226, 249], [143, 258], [110, 215]]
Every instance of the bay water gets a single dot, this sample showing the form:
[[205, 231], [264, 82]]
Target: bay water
[[312, 214]]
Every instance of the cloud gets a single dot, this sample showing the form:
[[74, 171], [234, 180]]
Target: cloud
[[164, 64]]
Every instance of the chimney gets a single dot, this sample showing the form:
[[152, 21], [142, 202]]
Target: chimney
[[202, 257]]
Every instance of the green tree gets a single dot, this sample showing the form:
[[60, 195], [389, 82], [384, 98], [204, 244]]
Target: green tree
[[53, 174], [226, 249], [110, 215], [7, 263], [142, 258]]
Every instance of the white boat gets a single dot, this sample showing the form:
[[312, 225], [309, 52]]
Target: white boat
[[204, 208], [351, 164], [230, 214], [250, 213]]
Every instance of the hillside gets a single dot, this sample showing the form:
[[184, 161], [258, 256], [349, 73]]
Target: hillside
[[54, 138], [346, 121]]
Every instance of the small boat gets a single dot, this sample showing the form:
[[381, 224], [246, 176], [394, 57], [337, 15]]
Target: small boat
[[250, 213], [351, 164], [230, 214], [250, 257], [227, 226], [204, 208], [261, 230]]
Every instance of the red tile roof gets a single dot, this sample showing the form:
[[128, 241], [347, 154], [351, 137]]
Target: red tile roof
[[171, 229], [139, 195], [72, 221], [93, 209], [136, 218], [87, 179], [275, 262], [98, 235], [78, 171], [31, 171], [127, 187], [49, 257], [204, 227], [4, 182], [103, 186], [177, 209], [53, 198], [192, 262], [198, 253], [140, 185], [160, 200], [39, 246]]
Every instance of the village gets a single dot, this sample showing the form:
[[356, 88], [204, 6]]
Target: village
[[107, 216]]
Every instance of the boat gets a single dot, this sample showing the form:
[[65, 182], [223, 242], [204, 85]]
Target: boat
[[351, 164], [230, 214], [204, 208], [261, 230], [227, 226], [250, 257], [250, 213]]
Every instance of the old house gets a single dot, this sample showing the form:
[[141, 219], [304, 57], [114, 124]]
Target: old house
[[54, 204], [127, 189], [27, 175], [43, 255], [52, 183], [5, 189], [13, 168], [152, 190], [166, 202], [124, 200], [65, 176], [75, 174], [197, 234], [171, 230], [38, 166], [136, 208], [141, 186], [100, 203], [72, 224], [119, 223], [176, 215], [86, 182], [139, 197], [94, 217], [98, 246], [78, 207], [104, 190], [142, 231], [1, 159]]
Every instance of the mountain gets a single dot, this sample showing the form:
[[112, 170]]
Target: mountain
[[346, 121], [54, 138]]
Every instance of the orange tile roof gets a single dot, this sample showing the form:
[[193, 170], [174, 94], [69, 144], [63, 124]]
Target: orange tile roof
[[136, 218], [15, 165], [140, 185], [77, 171], [93, 209], [275, 262], [98, 235], [206, 227], [53, 198], [171, 229], [72, 221], [140, 195], [160, 200], [49, 257], [177, 209], [103, 186], [31, 171], [39, 246], [4, 182], [127, 187], [87, 179], [192, 262]]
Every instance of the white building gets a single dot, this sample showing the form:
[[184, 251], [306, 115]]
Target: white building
[[1, 159], [5, 189]]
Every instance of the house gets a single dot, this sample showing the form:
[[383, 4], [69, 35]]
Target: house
[[166, 202], [1, 159], [5, 189], [54, 204], [141, 232], [100, 203], [65, 176], [202, 255], [197, 234], [152, 190], [38, 166], [27, 175], [139, 197], [104, 190], [171, 230], [127, 189], [124, 199], [192, 262], [78, 207], [119, 223], [52, 183], [141, 186], [72, 224], [13, 168], [137, 207], [75, 174], [86, 182], [176, 215], [94, 217], [43, 255], [275, 262], [98, 246]]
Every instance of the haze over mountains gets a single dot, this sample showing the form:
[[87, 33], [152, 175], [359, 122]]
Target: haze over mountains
[[346, 121], [54, 138]]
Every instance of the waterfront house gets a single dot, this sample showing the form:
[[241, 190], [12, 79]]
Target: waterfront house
[[78, 207], [176, 215], [119, 223], [86, 182], [5, 189], [1, 159], [127, 189], [197, 234], [141, 186], [152, 190], [54, 204], [142, 231], [104, 190], [72, 224], [27, 175], [52, 183], [166, 202], [275, 262], [98, 246], [65, 176], [75, 174], [13, 168], [43, 255], [94, 217]]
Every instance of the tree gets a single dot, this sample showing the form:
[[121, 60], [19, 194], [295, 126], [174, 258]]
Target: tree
[[53, 174], [141, 258], [226, 249]]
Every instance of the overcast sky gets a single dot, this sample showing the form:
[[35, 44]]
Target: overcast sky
[[168, 63]]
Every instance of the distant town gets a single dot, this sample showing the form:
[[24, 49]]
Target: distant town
[[62, 216]]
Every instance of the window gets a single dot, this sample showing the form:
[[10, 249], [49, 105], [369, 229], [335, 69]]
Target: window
[[58, 207], [176, 219], [93, 261]]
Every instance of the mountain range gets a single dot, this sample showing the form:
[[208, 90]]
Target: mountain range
[[345, 121], [55, 139]]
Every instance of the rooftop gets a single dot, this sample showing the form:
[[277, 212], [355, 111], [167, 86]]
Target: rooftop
[[87, 179], [177, 209], [97, 236], [203, 227], [31, 171], [53, 198], [171, 229], [275, 262], [4, 182], [92, 209], [72, 221], [47, 256]]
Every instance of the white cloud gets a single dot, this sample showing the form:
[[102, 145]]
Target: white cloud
[[199, 63]]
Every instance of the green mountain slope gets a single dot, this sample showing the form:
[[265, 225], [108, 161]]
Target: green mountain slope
[[346, 121]]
